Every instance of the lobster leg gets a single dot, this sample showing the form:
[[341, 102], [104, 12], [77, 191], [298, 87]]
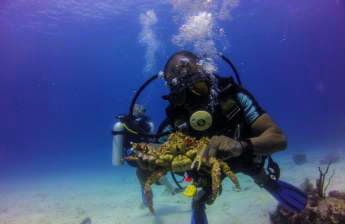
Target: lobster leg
[[227, 171], [216, 178], [155, 176]]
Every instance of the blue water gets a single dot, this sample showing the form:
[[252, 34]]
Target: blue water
[[68, 68]]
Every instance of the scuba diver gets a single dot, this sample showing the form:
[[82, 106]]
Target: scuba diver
[[126, 131], [241, 132]]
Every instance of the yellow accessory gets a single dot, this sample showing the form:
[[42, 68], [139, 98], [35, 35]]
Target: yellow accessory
[[130, 130], [201, 120], [190, 191]]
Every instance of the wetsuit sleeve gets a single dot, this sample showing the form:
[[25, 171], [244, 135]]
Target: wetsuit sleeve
[[250, 107], [151, 127]]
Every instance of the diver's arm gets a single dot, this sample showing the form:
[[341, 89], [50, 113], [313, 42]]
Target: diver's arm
[[118, 143], [269, 138], [152, 127]]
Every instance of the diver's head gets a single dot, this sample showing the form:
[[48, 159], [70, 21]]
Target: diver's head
[[138, 110], [179, 65], [184, 71]]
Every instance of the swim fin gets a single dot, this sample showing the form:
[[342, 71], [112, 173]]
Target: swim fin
[[289, 196]]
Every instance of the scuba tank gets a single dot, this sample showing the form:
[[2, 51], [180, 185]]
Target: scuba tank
[[118, 142], [125, 131]]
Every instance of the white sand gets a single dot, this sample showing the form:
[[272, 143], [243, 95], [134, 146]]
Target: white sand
[[114, 198]]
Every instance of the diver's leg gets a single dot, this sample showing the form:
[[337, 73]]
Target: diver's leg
[[258, 175], [199, 214], [288, 196], [198, 207]]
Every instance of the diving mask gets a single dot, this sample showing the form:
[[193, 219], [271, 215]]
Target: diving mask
[[197, 84]]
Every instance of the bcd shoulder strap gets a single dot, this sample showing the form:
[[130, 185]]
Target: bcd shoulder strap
[[227, 101]]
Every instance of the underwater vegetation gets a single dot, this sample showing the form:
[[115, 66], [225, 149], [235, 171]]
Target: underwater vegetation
[[321, 208], [332, 157], [300, 159]]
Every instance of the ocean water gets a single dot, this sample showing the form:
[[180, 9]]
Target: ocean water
[[69, 67]]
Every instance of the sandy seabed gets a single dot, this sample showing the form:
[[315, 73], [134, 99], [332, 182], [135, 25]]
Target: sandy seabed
[[114, 197]]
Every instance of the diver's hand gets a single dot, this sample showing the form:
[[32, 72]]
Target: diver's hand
[[230, 147]]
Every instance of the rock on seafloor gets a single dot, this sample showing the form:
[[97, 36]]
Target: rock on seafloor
[[86, 221]]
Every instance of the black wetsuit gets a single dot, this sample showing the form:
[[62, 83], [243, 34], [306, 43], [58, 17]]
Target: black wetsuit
[[247, 112]]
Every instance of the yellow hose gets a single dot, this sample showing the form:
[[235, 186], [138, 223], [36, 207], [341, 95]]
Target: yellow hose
[[130, 130]]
